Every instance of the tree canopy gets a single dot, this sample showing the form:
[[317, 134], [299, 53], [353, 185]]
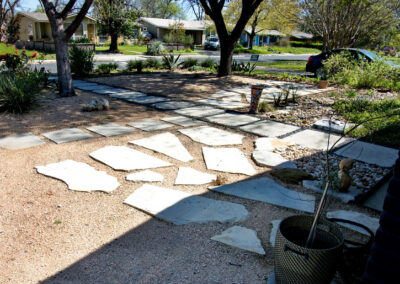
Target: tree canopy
[[166, 9]]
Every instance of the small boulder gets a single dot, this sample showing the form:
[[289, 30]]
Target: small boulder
[[288, 175], [97, 104]]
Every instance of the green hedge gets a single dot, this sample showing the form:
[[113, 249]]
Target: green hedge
[[306, 44]]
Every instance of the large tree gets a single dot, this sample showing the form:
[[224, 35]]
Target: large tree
[[194, 6], [61, 34], [165, 9], [213, 8], [7, 10]]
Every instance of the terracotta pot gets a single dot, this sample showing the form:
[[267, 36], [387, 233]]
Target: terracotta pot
[[322, 84]]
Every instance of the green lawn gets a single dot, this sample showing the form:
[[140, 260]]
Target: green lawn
[[289, 65], [4, 49], [137, 49], [293, 50]]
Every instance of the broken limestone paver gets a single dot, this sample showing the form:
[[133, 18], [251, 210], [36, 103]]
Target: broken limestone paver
[[67, 135], [199, 111], [150, 125], [79, 176], [332, 125], [20, 141], [240, 237], [167, 144], [316, 139], [222, 104], [317, 186], [268, 191], [229, 119], [270, 144], [370, 222], [369, 153], [274, 230], [212, 136], [269, 128], [180, 208], [147, 176], [172, 105], [375, 201], [230, 160], [182, 120], [126, 159], [144, 100], [188, 175], [110, 129], [271, 159]]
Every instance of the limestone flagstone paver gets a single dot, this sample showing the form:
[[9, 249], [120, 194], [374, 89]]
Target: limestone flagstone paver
[[84, 85], [212, 136], [180, 208], [241, 237], [172, 105], [271, 159], [332, 125], [110, 129], [222, 104], [223, 93], [147, 100], [369, 153], [270, 144], [199, 111], [269, 128], [375, 201], [361, 218], [110, 90], [150, 125], [241, 90], [229, 119], [188, 175], [126, 159], [237, 98], [268, 191], [147, 176], [274, 230], [316, 139], [96, 87], [167, 144], [67, 135], [127, 95], [182, 121], [20, 141], [230, 160], [317, 186], [79, 176]]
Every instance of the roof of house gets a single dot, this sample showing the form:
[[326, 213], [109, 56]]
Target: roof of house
[[267, 32], [302, 35], [42, 17], [165, 23]]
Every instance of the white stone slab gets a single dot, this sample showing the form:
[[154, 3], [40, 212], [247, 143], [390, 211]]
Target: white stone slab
[[144, 100], [110, 129], [223, 93], [229, 160], [333, 125], [212, 136], [172, 105], [364, 219], [126, 159], [241, 90], [369, 153], [222, 104], [182, 121], [127, 95], [79, 176], [67, 135], [346, 197], [150, 125], [316, 139], [268, 191], [180, 208], [199, 111], [20, 141], [229, 119], [240, 237], [270, 144], [188, 175], [271, 159], [110, 91], [269, 128], [147, 176], [95, 87], [167, 144]]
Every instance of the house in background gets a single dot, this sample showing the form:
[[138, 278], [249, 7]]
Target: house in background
[[301, 36], [262, 38], [35, 26]]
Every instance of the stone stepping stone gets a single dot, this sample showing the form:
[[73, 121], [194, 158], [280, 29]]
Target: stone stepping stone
[[241, 237], [79, 176], [181, 208], [109, 91], [316, 139], [173, 105], [270, 144], [229, 119], [96, 87], [346, 197], [241, 90], [126, 159], [110, 129], [199, 111], [271, 159], [167, 144], [20, 141], [84, 85], [145, 100], [269, 128], [188, 175], [364, 219], [182, 121], [127, 95], [67, 135], [274, 230], [147, 176], [237, 98], [212, 136], [334, 126], [222, 104], [369, 153], [150, 125], [268, 191], [222, 93], [230, 160], [375, 201]]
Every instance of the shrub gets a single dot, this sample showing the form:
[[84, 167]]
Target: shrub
[[189, 62], [208, 63], [135, 64], [196, 68], [155, 48], [306, 44], [243, 67], [171, 62], [14, 62], [153, 63], [106, 68], [188, 40], [81, 61], [265, 107], [80, 40]]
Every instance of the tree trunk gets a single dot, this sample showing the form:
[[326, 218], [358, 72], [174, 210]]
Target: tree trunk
[[225, 64], [114, 43], [63, 67], [251, 39]]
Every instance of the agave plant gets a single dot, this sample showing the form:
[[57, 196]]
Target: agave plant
[[170, 62]]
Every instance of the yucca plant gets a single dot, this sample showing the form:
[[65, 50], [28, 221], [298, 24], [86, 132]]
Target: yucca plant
[[171, 62]]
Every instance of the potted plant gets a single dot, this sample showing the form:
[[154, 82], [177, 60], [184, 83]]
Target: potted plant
[[256, 91]]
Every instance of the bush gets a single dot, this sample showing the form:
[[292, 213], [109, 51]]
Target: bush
[[306, 44], [14, 62], [189, 62], [81, 61], [155, 48], [80, 40], [208, 63], [171, 62], [106, 68], [196, 68], [135, 64], [153, 63]]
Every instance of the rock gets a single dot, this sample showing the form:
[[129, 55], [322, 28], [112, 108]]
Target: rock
[[288, 175], [97, 104]]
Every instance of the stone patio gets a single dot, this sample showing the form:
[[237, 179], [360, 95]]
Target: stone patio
[[228, 119], [110, 129], [269, 128], [212, 136], [150, 125]]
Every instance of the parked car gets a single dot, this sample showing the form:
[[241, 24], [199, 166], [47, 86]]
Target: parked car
[[212, 43], [147, 36]]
